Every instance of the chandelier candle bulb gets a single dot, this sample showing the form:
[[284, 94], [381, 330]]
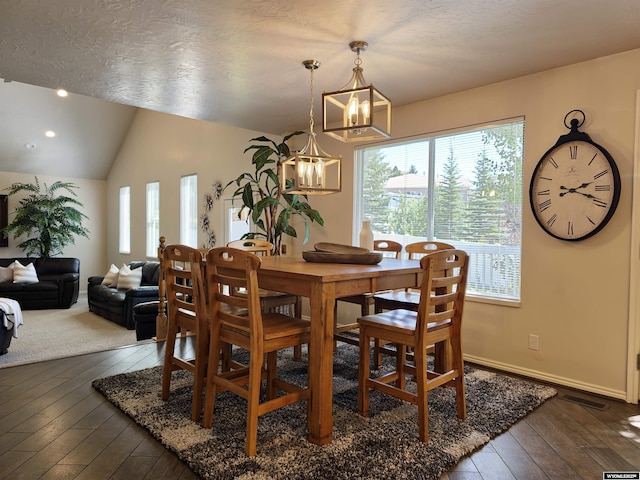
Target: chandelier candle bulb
[[358, 111]]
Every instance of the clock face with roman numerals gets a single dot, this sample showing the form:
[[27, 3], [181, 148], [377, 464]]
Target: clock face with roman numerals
[[574, 190]]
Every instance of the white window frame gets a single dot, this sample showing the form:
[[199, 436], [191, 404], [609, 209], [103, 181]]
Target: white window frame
[[124, 220], [189, 210], [512, 297], [153, 218], [234, 227]]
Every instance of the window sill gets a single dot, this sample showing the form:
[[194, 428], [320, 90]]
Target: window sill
[[493, 301]]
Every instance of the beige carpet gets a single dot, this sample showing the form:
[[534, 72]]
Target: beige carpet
[[58, 333]]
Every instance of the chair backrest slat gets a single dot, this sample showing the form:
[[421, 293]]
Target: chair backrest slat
[[253, 245], [418, 250], [388, 246], [229, 269], [178, 264], [443, 289]]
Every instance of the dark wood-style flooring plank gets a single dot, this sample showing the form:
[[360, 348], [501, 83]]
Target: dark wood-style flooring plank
[[49, 456], [99, 440], [492, 466], [55, 426], [540, 451], [110, 459], [169, 467], [516, 458]]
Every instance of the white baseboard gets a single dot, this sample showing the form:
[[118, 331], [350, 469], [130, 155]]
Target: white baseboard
[[567, 382]]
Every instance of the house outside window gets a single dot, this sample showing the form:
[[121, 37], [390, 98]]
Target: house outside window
[[153, 219], [462, 187], [124, 220], [189, 210]]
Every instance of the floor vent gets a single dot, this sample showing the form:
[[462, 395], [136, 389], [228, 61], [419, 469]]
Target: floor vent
[[584, 402]]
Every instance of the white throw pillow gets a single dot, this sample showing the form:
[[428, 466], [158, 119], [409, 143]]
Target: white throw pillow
[[6, 273], [24, 273], [128, 278], [111, 277]]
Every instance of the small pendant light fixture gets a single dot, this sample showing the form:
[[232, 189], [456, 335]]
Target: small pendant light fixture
[[311, 171], [357, 111]]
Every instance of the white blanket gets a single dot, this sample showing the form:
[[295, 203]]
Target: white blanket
[[12, 317]]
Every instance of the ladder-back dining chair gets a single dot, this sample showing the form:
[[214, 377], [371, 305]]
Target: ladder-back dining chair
[[269, 300], [408, 297], [240, 321], [179, 262], [438, 319], [387, 247], [404, 298]]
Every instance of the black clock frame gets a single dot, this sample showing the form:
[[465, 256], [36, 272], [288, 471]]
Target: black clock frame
[[572, 136]]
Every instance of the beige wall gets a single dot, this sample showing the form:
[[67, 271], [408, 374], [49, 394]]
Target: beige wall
[[575, 295], [91, 193], [163, 148]]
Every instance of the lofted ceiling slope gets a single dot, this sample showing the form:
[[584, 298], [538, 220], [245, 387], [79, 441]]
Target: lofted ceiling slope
[[239, 62]]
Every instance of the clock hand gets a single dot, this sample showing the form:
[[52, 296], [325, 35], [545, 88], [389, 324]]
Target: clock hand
[[568, 190], [588, 195], [573, 190]]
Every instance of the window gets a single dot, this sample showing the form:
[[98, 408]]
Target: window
[[236, 221], [153, 218], [189, 210], [124, 240], [463, 188]]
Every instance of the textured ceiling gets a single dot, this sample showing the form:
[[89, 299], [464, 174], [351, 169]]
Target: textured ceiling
[[239, 62]]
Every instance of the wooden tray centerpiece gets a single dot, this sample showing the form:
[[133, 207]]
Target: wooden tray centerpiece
[[326, 252]]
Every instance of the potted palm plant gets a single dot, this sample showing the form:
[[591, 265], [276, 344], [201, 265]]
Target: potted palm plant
[[261, 196], [49, 220]]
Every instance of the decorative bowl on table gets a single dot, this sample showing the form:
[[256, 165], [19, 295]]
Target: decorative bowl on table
[[326, 252]]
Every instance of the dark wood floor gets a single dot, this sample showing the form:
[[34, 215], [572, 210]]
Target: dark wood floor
[[54, 425]]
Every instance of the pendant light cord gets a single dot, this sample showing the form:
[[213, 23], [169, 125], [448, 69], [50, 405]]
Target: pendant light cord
[[311, 103]]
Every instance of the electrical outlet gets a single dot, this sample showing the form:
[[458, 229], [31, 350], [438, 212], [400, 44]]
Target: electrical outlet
[[533, 342]]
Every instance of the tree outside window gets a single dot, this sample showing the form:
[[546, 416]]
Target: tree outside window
[[476, 180]]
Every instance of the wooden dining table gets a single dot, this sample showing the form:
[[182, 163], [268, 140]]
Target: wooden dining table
[[322, 283]]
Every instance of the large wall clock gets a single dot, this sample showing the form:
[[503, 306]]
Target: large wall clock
[[575, 186]]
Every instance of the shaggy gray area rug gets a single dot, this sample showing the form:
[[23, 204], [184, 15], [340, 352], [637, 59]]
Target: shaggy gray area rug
[[385, 445]]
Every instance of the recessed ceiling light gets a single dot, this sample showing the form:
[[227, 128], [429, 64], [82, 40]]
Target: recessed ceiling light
[[62, 92], [50, 133]]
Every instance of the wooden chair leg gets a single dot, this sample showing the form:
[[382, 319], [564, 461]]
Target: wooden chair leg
[[225, 364], [420, 362], [458, 364], [401, 361], [272, 390], [363, 374], [377, 355], [199, 375], [169, 346], [255, 381], [442, 357], [297, 312], [364, 307], [210, 391], [335, 325]]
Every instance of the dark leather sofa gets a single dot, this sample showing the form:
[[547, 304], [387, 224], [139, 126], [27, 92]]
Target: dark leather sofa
[[58, 285], [117, 305]]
